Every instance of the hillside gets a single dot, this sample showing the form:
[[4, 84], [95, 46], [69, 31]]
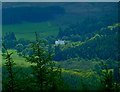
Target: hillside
[[70, 11], [46, 18], [89, 59]]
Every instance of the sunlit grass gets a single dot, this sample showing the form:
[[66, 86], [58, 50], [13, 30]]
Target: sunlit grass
[[18, 60]]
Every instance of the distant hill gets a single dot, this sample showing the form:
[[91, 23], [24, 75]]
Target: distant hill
[[71, 12], [82, 19]]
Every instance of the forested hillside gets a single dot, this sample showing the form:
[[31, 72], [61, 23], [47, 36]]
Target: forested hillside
[[87, 60], [97, 44]]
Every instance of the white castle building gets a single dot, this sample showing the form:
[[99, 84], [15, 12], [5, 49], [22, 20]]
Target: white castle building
[[59, 42]]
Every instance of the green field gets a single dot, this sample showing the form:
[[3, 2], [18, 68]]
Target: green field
[[20, 61], [26, 30]]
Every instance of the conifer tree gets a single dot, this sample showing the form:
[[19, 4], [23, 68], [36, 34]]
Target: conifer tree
[[108, 83], [10, 86], [46, 75]]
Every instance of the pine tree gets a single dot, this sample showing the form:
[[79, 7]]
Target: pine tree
[[47, 76], [10, 86], [108, 83]]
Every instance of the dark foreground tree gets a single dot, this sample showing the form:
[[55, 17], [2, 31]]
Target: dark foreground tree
[[10, 85], [47, 76], [108, 82]]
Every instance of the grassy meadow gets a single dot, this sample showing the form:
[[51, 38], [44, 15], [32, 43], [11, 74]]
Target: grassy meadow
[[26, 30]]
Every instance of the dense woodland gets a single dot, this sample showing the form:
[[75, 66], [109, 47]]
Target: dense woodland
[[89, 60], [95, 46]]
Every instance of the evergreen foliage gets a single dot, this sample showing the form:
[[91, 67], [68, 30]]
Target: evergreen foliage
[[10, 86], [108, 82], [47, 77]]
